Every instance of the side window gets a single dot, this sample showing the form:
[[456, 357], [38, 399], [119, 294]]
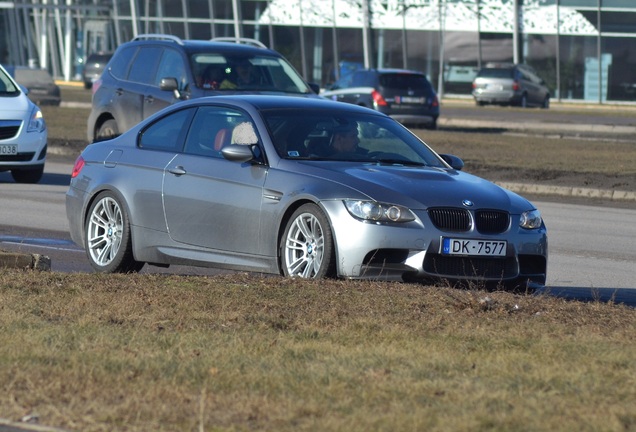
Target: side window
[[6, 85], [144, 66], [171, 65], [118, 66], [168, 132], [213, 128]]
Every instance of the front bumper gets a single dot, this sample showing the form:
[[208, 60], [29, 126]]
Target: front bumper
[[413, 251], [32, 148]]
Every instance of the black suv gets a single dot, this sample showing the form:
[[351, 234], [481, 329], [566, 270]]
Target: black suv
[[405, 95], [154, 71]]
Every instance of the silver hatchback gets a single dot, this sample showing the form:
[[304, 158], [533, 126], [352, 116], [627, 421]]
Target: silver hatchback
[[510, 84]]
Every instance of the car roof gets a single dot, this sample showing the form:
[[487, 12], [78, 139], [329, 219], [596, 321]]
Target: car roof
[[264, 102], [192, 46], [29, 75], [99, 55], [504, 65]]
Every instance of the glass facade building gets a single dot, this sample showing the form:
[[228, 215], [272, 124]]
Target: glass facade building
[[584, 49]]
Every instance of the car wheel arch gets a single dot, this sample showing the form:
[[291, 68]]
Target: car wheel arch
[[100, 254], [103, 118], [289, 211], [94, 195]]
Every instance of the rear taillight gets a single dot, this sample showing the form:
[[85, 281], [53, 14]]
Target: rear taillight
[[96, 85], [435, 101], [515, 85], [378, 99], [79, 164]]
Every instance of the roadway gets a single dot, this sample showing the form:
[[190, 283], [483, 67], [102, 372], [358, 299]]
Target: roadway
[[592, 252]]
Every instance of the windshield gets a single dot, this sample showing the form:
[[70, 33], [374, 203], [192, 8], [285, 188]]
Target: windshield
[[7, 87], [495, 73], [342, 136], [258, 73]]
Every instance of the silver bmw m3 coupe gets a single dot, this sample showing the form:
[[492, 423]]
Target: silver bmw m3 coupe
[[300, 187]]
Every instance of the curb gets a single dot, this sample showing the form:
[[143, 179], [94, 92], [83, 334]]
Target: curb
[[576, 192], [535, 126], [24, 261]]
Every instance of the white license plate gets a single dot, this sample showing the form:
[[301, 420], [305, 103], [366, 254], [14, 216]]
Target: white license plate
[[410, 99], [452, 246], [10, 149]]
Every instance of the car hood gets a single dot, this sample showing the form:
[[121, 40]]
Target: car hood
[[418, 187], [12, 108]]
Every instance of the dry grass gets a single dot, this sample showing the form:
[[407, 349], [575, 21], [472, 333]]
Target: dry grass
[[165, 353], [533, 153]]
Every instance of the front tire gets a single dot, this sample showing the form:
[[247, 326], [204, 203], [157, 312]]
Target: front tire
[[307, 247], [28, 175], [108, 239]]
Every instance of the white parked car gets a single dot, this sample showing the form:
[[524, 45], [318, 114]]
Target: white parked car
[[23, 133]]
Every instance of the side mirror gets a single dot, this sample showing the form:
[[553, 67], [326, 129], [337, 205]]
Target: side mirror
[[170, 84], [455, 162], [315, 87], [237, 153]]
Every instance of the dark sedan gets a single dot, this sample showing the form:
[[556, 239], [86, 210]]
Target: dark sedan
[[294, 186], [41, 87]]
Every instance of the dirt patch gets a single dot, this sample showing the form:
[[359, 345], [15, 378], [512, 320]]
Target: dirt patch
[[617, 181]]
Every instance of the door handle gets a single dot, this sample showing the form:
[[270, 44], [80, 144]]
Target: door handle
[[178, 171], [150, 99]]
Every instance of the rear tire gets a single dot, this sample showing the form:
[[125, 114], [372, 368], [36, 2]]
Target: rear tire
[[307, 247], [523, 103], [28, 175], [108, 240], [546, 103]]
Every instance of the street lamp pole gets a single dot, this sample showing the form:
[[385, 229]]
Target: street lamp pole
[[442, 19]]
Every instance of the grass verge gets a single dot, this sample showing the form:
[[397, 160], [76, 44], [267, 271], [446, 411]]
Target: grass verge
[[164, 353]]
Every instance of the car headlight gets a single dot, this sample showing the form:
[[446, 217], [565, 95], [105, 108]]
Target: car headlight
[[36, 121], [530, 219], [378, 212]]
